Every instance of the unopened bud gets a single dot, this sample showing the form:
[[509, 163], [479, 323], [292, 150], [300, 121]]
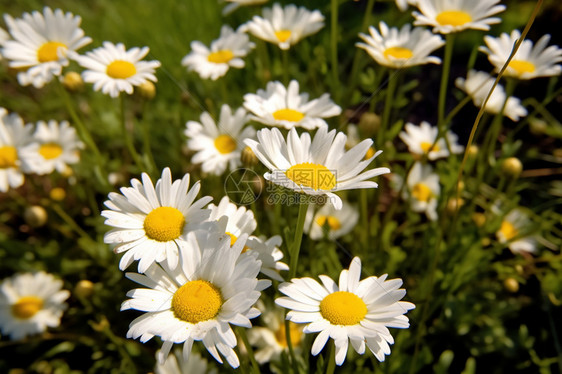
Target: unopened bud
[[84, 288], [35, 216], [473, 151], [248, 157], [511, 167], [72, 81], [57, 194], [479, 219], [453, 205], [537, 126], [258, 184], [147, 90], [511, 285], [369, 124]]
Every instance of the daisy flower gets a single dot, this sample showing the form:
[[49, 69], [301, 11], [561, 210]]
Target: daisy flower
[[151, 222], [285, 26], [175, 364], [354, 311], [513, 224], [529, 61], [453, 16], [318, 167], [240, 220], [112, 69], [403, 4], [285, 107], [3, 37], [219, 145], [225, 52], [401, 48], [29, 303], [478, 84], [337, 222], [267, 251], [14, 136], [41, 44], [57, 147], [423, 190], [212, 288], [419, 140]]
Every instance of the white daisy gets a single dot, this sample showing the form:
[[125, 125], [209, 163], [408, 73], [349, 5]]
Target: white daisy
[[3, 37], [357, 311], [401, 48], [447, 16], [175, 364], [112, 69], [29, 303], [284, 26], [529, 62], [151, 222], [41, 43], [267, 251], [219, 145], [513, 224], [240, 220], [403, 4], [57, 147], [419, 140], [423, 190], [225, 52], [478, 84], [14, 136], [212, 288], [336, 222], [285, 107], [318, 167], [353, 139]]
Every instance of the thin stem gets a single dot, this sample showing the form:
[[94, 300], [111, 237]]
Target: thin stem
[[495, 127], [147, 149], [331, 360], [249, 349], [390, 89], [285, 62], [127, 136], [334, 50], [450, 41]]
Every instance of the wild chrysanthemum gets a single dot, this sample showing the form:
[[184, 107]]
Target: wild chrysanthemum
[[420, 139], [529, 62], [478, 84], [336, 222], [113, 69], [286, 107], [219, 145], [212, 288], [284, 26], [240, 220], [510, 232], [267, 251], [453, 16], [150, 223], [320, 166], [422, 190], [29, 303], [41, 43], [354, 311], [401, 48]]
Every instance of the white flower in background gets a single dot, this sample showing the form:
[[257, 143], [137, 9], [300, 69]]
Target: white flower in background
[[235, 4], [268, 252], [55, 147], [529, 62], [3, 37], [284, 26], [353, 139], [41, 43], [285, 107], [112, 69], [420, 139], [403, 4], [212, 288], [225, 52], [513, 225], [219, 145], [423, 190], [457, 15], [478, 84], [240, 220], [354, 311], [337, 222], [320, 166], [151, 222], [29, 303], [14, 136], [401, 48], [175, 364]]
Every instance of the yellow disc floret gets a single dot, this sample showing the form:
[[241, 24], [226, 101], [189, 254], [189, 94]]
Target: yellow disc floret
[[310, 175], [26, 307], [8, 157], [421, 192], [196, 301], [225, 144], [426, 146], [220, 57], [398, 52], [164, 224], [49, 51], [50, 151], [343, 308], [287, 114], [333, 222], [453, 18], [283, 35], [120, 69], [508, 230], [522, 66], [281, 334]]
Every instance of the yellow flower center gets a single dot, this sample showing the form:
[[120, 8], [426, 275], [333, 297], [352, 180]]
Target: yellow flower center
[[283, 35], [398, 52], [343, 308], [233, 239], [196, 301], [8, 157], [281, 335], [50, 150], [370, 153], [508, 230], [311, 175], [333, 222], [164, 224], [120, 69], [422, 192], [220, 57], [453, 18], [288, 115], [522, 66], [225, 144], [26, 307], [426, 146], [49, 51]]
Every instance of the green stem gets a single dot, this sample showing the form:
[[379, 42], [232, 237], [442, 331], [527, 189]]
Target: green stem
[[147, 149], [334, 50], [450, 41], [127, 136], [285, 62], [249, 349], [390, 89], [495, 127], [331, 360]]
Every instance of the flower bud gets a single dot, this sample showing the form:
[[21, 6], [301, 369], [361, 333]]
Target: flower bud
[[511, 167], [35, 216], [147, 90], [369, 123], [84, 288], [248, 157], [72, 81], [511, 284], [479, 219], [57, 194], [473, 150]]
